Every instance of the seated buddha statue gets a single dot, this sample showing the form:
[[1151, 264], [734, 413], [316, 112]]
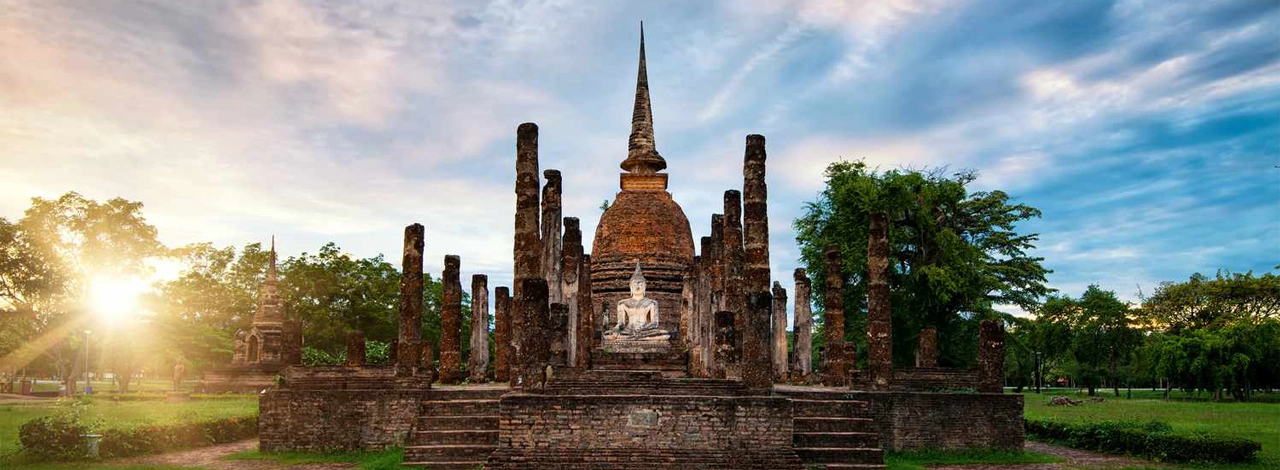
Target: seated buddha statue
[[637, 316]]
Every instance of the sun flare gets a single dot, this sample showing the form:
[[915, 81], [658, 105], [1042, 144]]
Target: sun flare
[[116, 299]]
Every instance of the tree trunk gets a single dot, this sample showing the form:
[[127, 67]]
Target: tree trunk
[[1115, 381]]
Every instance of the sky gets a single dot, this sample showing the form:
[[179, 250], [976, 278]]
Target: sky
[[1148, 133]]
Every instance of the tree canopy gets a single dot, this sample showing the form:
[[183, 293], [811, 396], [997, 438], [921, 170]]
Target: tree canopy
[[954, 254]]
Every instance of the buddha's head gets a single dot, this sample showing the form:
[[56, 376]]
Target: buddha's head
[[637, 283]]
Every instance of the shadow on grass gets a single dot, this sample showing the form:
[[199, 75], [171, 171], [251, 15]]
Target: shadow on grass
[[916, 460]]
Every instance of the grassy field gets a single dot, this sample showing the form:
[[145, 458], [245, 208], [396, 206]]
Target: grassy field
[[1257, 421], [918, 460], [126, 413]]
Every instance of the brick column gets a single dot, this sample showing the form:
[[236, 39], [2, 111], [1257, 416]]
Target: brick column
[[927, 355], [552, 249], [991, 357], [755, 215], [502, 334], [778, 332], [528, 241], [726, 356], [409, 342], [355, 349], [702, 311], [688, 284], [879, 309], [735, 297], [757, 369], [558, 329], [571, 262], [451, 322], [478, 361], [834, 368], [802, 352], [585, 316], [532, 313]]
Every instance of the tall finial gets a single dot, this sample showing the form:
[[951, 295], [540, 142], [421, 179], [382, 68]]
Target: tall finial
[[271, 269], [637, 275], [642, 155]]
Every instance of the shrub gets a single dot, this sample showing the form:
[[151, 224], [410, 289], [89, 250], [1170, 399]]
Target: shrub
[[153, 439], [57, 436], [1154, 440]]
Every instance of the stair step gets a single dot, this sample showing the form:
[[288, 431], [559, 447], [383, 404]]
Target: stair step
[[826, 455], [837, 439], [457, 422], [833, 424], [446, 464], [841, 408], [448, 452], [458, 436], [460, 407]]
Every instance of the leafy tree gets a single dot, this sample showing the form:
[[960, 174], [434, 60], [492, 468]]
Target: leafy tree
[[1097, 332], [50, 260], [953, 253], [1203, 302]]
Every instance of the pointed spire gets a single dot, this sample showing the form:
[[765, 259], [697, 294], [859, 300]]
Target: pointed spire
[[642, 155], [271, 269]]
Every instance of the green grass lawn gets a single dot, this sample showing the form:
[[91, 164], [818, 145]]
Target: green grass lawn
[[382, 460], [126, 413], [917, 460], [1256, 421]]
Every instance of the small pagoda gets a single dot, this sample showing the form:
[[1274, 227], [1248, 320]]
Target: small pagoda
[[261, 353]]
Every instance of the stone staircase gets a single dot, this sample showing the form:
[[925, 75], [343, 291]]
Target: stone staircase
[[832, 432], [457, 428], [637, 382]]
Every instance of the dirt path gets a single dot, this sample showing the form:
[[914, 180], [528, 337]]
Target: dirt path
[[212, 458], [1075, 459]]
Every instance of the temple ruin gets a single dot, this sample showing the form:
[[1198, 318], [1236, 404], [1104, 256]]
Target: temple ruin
[[646, 353]]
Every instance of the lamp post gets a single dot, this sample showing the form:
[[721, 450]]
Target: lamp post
[[1039, 373], [87, 388]]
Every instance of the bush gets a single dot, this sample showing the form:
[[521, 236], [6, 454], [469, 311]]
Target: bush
[[57, 436], [154, 439], [1154, 440]]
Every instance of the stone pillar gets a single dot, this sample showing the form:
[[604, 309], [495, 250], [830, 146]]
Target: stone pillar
[[355, 349], [558, 329], [735, 298], [501, 334], [584, 316], [990, 357], [478, 362], [879, 309], [688, 283], [802, 355], [552, 270], [291, 349], [427, 363], [757, 369], [778, 332], [409, 342], [755, 216], [451, 322], [927, 355], [715, 267], [533, 347], [703, 313], [571, 262], [725, 347], [528, 241], [834, 369]]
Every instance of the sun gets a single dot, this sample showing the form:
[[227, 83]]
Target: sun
[[114, 299]]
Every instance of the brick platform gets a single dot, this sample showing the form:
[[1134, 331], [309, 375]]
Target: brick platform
[[637, 419]]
